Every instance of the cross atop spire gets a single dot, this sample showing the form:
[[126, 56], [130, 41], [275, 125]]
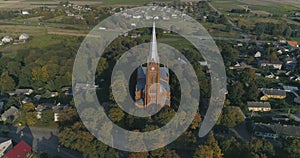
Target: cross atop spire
[[153, 48]]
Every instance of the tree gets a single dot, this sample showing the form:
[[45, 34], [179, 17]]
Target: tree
[[196, 121], [138, 155], [273, 57], [204, 151], [231, 116], [5, 129], [116, 114], [228, 27], [164, 116], [28, 107], [231, 148], [259, 148], [6, 82], [91, 18], [164, 152], [236, 92], [213, 144], [292, 148]]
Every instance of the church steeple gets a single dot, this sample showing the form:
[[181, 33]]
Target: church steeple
[[153, 55]]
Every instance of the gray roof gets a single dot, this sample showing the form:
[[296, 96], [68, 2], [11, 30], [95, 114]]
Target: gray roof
[[2, 139], [141, 75], [287, 130], [12, 111], [274, 92], [259, 104]]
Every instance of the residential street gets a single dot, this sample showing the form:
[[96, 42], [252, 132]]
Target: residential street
[[41, 139]]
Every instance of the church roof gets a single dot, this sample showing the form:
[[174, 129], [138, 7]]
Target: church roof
[[141, 76], [153, 55]]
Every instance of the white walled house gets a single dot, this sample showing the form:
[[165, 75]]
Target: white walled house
[[7, 39], [24, 36]]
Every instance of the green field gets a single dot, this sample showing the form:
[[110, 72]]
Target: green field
[[270, 6]]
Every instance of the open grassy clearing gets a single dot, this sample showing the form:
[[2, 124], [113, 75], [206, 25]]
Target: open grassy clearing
[[290, 3], [267, 6], [16, 30], [23, 4]]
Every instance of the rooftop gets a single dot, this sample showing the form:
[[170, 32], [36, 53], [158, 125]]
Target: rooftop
[[19, 151], [259, 104], [287, 130]]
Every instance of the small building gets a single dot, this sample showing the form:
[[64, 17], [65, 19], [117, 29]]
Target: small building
[[7, 39], [276, 131], [273, 94], [280, 118], [274, 64], [257, 54], [23, 91], [25, 12], [10, 114], [24, 36], [5, 145], [259, 106], [21, 150], [292, 44], [290, 88], [19, 41]]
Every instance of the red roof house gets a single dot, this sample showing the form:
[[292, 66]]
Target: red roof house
[[21, 150], [292, 43]]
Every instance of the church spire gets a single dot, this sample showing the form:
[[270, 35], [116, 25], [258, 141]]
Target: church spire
[[153, 48]]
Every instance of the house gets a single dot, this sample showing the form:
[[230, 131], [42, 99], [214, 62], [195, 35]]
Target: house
[[273, 94], [7, 39], [26, 100], [297, 100], [21, 150], [19, 41], [25, 12], [274, 64], [280, 118], [279, 52], [292, 44], [67, 90], [276, 131], [5, 145], [49, 94], [257, 54], [23, 91], [10, 114], [24, 36], [259, 106], [290, 88], [270, 75]]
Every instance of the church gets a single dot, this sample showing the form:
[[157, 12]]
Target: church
[[152, 86]]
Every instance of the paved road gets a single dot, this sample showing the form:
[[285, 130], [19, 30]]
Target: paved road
[[41, 139]]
